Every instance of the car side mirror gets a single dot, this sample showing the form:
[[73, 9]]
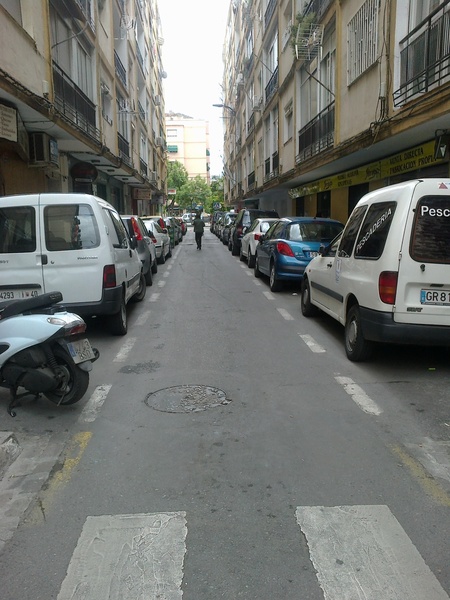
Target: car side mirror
[[133, 242]]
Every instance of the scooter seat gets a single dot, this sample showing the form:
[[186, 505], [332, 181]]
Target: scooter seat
[[9, 308]]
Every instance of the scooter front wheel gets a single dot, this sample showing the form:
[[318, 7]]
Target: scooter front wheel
[[74, 381]]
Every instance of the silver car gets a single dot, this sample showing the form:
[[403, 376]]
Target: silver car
[[160, 238]]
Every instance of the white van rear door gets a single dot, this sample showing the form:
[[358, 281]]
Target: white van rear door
[[423, 289], [20, 250], [73, 249]]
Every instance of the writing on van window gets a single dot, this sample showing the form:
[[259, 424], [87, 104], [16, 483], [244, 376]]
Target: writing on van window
[[373, 229], [428, 211]]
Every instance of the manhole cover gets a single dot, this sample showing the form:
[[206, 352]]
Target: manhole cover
[[186, 398]]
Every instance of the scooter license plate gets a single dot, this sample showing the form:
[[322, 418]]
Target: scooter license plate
[[80, 350]]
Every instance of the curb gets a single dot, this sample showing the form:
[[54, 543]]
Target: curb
[[9, 450]]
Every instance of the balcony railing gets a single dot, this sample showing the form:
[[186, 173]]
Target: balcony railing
[[318, 8], [317, 135], [143, 167], [251, 180], [124, 149], [74, 104], [271, 166], [121, 72], [425, 56], [251, 124], [141, 111], [272, 86]]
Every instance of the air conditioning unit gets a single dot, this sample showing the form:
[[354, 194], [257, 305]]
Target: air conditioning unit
[[157, 100], [159, 142], [43, 150], [257, 102], [153, 177], [240, 79]]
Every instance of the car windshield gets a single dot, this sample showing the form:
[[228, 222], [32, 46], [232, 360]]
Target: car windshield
[[314, 231]]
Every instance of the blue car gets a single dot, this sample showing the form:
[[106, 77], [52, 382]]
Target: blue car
[[285, 250]]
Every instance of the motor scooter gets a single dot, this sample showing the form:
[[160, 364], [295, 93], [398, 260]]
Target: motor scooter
[[43, 349]]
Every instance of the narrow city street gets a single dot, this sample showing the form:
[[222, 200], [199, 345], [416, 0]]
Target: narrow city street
[[227, 448]]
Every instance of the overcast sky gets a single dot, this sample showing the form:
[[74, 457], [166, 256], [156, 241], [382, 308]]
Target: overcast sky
[[194, 32]]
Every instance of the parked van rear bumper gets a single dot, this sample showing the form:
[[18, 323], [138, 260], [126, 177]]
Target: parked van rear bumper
[[108, 305], [380, 327]]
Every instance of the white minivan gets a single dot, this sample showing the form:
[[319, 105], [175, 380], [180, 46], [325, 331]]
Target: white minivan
[[73, 243], [386, 278]]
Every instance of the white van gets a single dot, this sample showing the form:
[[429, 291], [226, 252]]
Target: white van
[[73, 243], [386, 278]]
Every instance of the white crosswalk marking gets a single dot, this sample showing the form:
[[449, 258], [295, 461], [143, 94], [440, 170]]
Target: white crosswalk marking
[[94, 404], [125, 350], [311, 343], [359, 396], [125, 557], [362, 552]]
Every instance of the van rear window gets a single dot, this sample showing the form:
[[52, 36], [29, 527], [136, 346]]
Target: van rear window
[[70, 227], [17, 230], [430, 239]]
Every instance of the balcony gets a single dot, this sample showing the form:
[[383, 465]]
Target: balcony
[[271, 166], [272, 86], [425, 56], [74, 104], [318, 8], [124, 149], [121, 72], [251, 124], [317, 135], [143, 167], [251, 180]]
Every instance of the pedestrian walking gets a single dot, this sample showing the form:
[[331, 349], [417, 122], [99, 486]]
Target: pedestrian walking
[[199, 227]]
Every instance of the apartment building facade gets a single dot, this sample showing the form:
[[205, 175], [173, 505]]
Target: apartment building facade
[[188, 143], [327, 100], [81, 100]]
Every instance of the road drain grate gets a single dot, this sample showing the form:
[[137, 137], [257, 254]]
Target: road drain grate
[[186, 399]]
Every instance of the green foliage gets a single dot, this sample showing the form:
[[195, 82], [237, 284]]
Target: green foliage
[[194, 192], [177, 175]]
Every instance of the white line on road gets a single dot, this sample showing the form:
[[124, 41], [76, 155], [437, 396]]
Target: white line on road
[[125, 350], [154, 297], [166, 274], [359, 396], [142, 319], [285, 314], [94, 404], [363, 552], [161, 284], [269, 295], [128, 556], [311, 343], [256, 282]]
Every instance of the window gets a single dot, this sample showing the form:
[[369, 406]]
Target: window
[[362, 33], [70, 227], [117, 231], [374, 231], [17, 230], [430, 239], [288, 122]]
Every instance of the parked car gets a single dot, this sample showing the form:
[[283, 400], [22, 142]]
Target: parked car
[[215, 216], [168, 226], [183, 225], [245, 218], [83, 250], [385, 279], [160, 238], [145, 247], [288, 246], [250, 240], [229, 220]]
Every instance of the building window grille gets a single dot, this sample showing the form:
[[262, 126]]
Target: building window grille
[[362, 35]]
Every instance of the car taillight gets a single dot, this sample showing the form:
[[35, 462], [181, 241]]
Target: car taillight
[[152, 237], [387, 286], [239, 229], [283, 248], [257, 237], [109, 276], [136, 230]]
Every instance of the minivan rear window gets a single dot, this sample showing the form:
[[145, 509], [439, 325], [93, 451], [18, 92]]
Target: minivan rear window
[[17, 230], [70, 227], [430, 239]]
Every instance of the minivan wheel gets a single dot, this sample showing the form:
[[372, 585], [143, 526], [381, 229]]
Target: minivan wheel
[[308, 309], [274, 284], [140, 294], [357, 347], [118, 322]]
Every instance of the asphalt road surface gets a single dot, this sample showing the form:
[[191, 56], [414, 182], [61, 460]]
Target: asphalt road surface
[[226, 448]]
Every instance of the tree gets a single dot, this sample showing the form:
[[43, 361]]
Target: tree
[[195, 192], [177, 175], [216, 191]]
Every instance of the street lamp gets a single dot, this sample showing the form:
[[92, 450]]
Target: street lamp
[[232, 111]]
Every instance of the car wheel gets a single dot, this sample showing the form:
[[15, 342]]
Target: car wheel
[[256, 270], [357, 347], [169, 254], [274, 284], [250, 259], [118, 322], [241, 256], [162, 258], [149, 277], [308, 309], [140, 294], [234, 250], [155, 267]]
